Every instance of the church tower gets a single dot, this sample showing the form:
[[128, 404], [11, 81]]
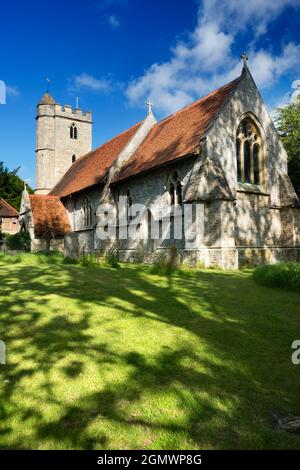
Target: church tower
[[63, 134]]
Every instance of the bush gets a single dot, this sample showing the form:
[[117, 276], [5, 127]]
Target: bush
[[282, 275], [20, 241]]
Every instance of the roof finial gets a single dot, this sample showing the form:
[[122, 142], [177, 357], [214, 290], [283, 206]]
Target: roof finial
[[48, 85], [150, 106], [245, 59]]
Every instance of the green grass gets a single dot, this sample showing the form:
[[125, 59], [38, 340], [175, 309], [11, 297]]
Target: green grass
[[126, 358], [282, 275]]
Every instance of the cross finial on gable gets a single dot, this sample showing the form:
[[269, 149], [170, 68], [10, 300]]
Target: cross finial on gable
[[150, 106], [48, 84], [245, 58]]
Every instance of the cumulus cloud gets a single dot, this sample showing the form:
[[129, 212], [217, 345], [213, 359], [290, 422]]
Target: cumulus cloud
[[206, 60], [88, 82]]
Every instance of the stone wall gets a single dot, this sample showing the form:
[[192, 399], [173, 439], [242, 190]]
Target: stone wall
[[54, 147], [252, 226]]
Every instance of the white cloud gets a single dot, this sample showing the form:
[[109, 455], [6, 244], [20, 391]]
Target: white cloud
[[12, 91], [113, 21], [267, 68], [296, 88], [205, 60], [88, 82]]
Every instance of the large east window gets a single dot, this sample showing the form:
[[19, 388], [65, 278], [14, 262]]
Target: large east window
[[249, 153]]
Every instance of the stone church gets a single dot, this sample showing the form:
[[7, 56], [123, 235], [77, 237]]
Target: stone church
[[221, 155]]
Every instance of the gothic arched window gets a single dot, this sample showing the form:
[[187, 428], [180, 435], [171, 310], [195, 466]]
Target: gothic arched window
[[73, 131], [87, 213], [73, 158], [129, 204], [175, 190], [172, 194], [178, 193], [249, 152]]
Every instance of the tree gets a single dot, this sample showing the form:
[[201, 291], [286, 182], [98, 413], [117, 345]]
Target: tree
[[288, 126], [11, 186]]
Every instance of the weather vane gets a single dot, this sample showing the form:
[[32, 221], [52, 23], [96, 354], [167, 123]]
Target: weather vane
[[48, 84]]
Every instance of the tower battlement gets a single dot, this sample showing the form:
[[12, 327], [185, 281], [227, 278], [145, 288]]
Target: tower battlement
[[63, 134]]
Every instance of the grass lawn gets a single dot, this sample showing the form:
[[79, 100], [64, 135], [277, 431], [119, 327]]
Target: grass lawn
[[124, 358]]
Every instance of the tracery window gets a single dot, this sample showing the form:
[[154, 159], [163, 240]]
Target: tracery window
[[249, 152]]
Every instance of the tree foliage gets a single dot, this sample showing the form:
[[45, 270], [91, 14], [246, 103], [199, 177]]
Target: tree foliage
[[288, 126], [11, 186]]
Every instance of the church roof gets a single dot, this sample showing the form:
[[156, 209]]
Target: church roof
[[177, 135], [90, 169], [172, 138], [47, 99], [49, 216], [6, 210]]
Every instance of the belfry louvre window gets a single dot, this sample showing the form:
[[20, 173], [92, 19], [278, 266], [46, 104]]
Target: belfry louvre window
[[249, 153], [73, 132]]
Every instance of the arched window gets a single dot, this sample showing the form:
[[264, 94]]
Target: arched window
[[238, 160], [175, 189], [87, 213], [248, 152], [172, 194], [247, 161], [256, 157], [129, 204], [178, 193], [73, 131], [73, 158]]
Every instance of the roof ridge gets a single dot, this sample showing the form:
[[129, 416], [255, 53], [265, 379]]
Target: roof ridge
[[237, 79]]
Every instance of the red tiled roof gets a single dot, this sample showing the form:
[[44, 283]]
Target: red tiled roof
[[178, 135], [92, 167], [49, 216], [6, 210]]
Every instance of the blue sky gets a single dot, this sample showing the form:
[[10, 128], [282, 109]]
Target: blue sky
[[114, 54]]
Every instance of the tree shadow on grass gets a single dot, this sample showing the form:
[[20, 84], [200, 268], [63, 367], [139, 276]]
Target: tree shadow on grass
[[215, 386]]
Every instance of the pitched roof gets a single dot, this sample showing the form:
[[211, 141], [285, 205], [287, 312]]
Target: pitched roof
[[49, 216], [6, 210], [47, 99], [209, 183], [178, 135], [92, 167]]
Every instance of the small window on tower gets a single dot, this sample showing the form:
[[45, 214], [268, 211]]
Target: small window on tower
[[73, 131], [73, 158]]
